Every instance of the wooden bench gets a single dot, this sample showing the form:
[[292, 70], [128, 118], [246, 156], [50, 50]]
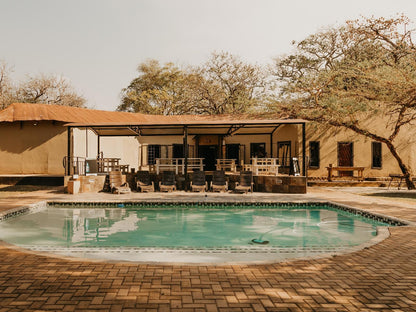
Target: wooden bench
[[399, 177], [359, 170]]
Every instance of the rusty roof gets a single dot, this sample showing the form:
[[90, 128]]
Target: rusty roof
[[75, 116], [38, 112]]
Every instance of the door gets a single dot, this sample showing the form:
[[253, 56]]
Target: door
[[232, 151], [283, 153], [345, 157], [258, 150], [177, 151], [210, 154]]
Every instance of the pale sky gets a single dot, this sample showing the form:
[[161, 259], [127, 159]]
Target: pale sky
[[98, 44]]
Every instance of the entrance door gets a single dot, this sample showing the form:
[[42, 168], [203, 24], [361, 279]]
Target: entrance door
[[210, 154], [284, 153], [177, 151], [233, 152], [345, 157]]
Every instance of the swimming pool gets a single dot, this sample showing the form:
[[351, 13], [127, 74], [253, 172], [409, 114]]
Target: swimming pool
[[191, 232]]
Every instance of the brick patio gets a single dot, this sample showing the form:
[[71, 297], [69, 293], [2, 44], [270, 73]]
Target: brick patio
[[380, 278]]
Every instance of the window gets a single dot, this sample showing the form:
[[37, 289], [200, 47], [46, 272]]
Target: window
[[345, 154], [258, 150], [153, 153], [376, 155], [314, 154]]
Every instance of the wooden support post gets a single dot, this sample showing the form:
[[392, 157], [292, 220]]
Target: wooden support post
[[303, 149], [69, 162], [98, 146], [186, 152]]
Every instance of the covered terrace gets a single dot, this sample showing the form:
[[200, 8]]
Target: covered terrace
[[221, 133]]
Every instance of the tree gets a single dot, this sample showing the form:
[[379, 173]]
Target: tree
[[230, 86], [224, 84], [347, 75], [158, 90], [6, 93], [48, 89]]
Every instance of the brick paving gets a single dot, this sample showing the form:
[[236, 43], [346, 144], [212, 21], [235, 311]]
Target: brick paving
[[379, 278]]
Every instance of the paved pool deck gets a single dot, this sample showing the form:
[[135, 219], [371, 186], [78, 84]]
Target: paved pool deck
[[379, 278]]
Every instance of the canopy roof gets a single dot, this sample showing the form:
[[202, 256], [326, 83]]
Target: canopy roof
[[194, 127], [107, 123]]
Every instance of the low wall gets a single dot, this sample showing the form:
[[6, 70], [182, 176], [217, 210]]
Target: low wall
[[267, 184], [280, 184]]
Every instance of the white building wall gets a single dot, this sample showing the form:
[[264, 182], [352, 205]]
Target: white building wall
[[125, 148], [85, 143]]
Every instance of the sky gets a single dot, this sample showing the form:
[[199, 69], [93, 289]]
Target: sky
[[98, 44]]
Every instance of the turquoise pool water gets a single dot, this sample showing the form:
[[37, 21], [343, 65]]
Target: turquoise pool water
[[189, 227]]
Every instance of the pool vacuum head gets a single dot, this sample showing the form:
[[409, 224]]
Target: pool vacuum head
[[260, 241]]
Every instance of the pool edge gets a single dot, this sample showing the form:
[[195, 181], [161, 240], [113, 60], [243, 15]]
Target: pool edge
[[382, 234]]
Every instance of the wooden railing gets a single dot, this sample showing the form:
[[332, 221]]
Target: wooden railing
[[111, 164], [74, 165], [226, 165], [263, 166], [178, 164]]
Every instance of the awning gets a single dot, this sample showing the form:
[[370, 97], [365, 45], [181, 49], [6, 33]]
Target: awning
[[206, 127]]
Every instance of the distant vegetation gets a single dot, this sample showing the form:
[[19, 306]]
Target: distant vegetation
[[222, 85], [47, 89]]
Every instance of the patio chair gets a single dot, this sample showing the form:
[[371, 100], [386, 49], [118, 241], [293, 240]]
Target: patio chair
[[168, 183], [198, 183], [116, 183], [219, 183], [246, 182], [143, 182]]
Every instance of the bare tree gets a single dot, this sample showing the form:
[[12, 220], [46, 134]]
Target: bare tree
[[6, 87], [49, 89]]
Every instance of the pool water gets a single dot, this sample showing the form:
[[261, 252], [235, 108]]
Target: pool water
[[201, 228]]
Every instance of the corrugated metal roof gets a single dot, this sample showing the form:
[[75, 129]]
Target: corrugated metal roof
[[28, 111], [89, 117]]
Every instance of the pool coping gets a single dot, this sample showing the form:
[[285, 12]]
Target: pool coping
[[382, 232]]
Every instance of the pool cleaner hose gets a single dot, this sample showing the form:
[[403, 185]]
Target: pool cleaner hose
[[260, 241]]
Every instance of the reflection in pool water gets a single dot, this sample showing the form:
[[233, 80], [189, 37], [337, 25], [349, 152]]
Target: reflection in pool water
[[200, 228]]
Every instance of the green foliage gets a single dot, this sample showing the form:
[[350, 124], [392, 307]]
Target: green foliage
[[158, 90], [224, 84], [364, 67]]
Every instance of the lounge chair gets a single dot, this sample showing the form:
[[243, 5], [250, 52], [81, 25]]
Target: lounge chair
[[116, 183], [143, 182], [198, 183], [219, 183], [168, 183], [246, 182]]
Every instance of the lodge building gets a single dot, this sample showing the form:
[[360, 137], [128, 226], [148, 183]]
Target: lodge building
[[40, 139]]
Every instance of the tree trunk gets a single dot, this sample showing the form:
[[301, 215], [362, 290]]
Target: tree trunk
[[405, 170]]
